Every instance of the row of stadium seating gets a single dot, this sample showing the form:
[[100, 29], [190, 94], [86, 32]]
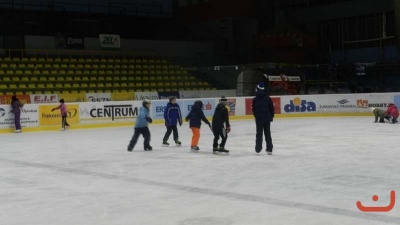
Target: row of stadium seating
[[47, 75], [85, 60], [32, 67]]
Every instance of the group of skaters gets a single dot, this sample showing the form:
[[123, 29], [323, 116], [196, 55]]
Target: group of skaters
[[390, 114], [263, 111]]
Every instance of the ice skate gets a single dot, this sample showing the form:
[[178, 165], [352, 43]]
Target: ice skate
[[215, 150], [165, 143], [62, 129], [178, 143], [269, 153], [148, 148], [223, 150], [194, 148], [17, 131], [130, 148]]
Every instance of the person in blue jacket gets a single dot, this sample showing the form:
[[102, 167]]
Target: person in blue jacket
[[142, 127], [172, 116], [263, 111]]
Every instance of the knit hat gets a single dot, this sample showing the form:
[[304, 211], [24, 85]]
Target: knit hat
[[223, 99], [62, 100], [372, 109], [261, 86]]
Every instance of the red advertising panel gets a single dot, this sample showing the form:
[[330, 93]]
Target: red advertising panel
[[6, 99], [275, 100]]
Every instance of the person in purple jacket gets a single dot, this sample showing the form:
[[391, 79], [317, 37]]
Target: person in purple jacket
[[63, 109], [16, 106]]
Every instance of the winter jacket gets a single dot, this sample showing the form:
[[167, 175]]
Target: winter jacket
[[392, 111], [143, 118], [16, 106], [63, 109], [196, 115], [172, 114], [379, 113], [263, 107], [221, 116]]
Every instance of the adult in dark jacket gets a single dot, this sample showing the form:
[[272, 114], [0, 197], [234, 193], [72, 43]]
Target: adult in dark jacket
[[172, 116], [220, 125], [16, 106], [263, 111], [195, 117]]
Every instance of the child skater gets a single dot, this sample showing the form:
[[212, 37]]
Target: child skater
[[172, 116], [142, 127], [195, 117], [63, 109], [392, 113], [221, 118], [379, 113], [16, 106]]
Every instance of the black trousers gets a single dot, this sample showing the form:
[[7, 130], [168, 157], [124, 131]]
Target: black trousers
[[141, 131], [64, 121], [266, 129], [219, 132], [171, 129]]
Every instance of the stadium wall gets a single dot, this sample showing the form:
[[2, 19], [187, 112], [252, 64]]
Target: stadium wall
[[38, 117]]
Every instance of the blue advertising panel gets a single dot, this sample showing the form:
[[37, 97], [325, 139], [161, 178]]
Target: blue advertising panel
[[158, 108]]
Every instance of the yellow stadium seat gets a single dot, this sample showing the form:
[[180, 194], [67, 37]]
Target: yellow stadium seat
[[25, 79], [31, 86], [59, 85]]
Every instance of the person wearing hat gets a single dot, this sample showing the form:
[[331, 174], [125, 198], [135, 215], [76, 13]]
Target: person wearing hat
[[172, 116], [392, 113], [263, 111], [16, 106], [63, 109], [220, 125], [142, 127], [195, 116], [379, 113]]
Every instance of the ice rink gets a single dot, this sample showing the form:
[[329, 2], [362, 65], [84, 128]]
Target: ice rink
[[320, 168]]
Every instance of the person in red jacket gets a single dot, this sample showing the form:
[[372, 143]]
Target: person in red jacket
[[392, 113]]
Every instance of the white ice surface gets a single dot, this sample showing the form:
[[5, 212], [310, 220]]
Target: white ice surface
[[320, 168]]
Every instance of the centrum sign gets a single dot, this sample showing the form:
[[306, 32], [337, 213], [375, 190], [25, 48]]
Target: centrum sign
[[114, 111]]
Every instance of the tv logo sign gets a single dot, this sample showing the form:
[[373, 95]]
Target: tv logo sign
[[298, 105]]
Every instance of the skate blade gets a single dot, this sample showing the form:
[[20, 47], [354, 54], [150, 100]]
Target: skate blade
[[165, 145]]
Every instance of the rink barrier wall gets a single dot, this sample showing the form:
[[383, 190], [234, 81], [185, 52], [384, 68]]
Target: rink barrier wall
[[39, 117]]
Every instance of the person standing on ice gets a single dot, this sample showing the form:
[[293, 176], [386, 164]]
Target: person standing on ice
[[63, 109], [16, 106], [263, 111], [220, 125], [195, 116], [142, 127], [172, 116]]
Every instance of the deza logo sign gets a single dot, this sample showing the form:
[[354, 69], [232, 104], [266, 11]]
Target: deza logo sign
[[298, 105]]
